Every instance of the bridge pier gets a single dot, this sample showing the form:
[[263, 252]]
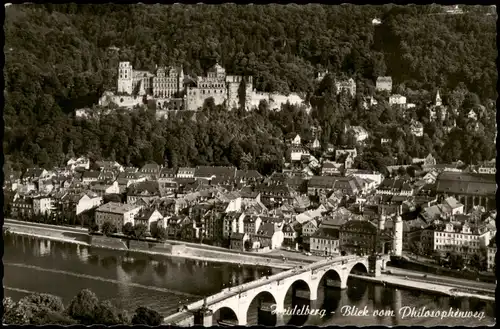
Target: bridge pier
[[203, 317], [280, 319], [242, 316]]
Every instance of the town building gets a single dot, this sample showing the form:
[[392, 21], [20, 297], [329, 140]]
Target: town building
[[185, 172], [147, 217], [360, 134], [22, 207], [90, 176], [466, 239], [290, 236], [330, 168], [487, 167], [490, 255], [469, 188], [78, 203], [107, 165], [384, 84], [105, 188], [237, 241], [348, 86], [325, 242], [417, 128], [150, 170], [81, 163], [268, 236], [147, 191], [353, 153], [42, 205], [397, 100], [297, 152], [310, 227], [118, 214], [211, 172]]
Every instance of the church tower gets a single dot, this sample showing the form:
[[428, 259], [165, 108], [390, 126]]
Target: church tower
[[398, 236], [438, 99], [125, 78]]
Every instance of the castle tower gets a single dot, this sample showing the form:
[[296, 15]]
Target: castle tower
[[232, 86], [248, 93], [180, 80], [125, 78], [398, 236], [438, 99]]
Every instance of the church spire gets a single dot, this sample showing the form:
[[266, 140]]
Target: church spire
[[438, 99]]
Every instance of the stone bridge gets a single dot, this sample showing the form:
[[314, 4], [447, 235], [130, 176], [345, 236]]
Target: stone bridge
[[232, 304]]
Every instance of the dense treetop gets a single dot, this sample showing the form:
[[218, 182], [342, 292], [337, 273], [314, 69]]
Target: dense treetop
[[62, 57]]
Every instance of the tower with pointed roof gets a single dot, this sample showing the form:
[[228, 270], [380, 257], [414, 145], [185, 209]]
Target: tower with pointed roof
[[438, 99]]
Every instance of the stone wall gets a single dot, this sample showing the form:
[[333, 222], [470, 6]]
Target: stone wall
[[107, 242], [159, 247]]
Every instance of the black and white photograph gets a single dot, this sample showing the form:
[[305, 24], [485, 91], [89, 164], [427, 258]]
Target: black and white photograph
[[173, 164]]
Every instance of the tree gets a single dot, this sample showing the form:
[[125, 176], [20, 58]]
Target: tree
[[128, 229], [146, 316], [9, 314], [93, 228], [478, 261], [83, 306], [161, 233], [140, 231], [436, 255], [107, 314], [108, 228], [52, 318], [456, 261], [248, 245], [417, 248], [30, 309]]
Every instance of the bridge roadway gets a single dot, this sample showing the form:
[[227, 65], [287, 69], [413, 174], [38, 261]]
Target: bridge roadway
[[234, 291]]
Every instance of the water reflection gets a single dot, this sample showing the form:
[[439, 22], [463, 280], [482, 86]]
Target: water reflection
[[162, 283], [356, 289]]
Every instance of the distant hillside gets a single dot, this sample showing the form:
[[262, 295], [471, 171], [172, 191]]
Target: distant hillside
[[62, 57]]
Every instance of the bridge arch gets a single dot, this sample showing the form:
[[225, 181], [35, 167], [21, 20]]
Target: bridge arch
[[332, 278], [260, 308], [296, 296], [356, 289], [225, 315], [359, 268]]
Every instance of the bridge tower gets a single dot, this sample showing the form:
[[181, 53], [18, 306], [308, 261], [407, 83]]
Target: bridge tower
[[398, 236]]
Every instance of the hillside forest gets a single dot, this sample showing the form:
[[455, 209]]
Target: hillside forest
[[62, 57]]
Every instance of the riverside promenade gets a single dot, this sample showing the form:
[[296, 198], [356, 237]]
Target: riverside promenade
[[194, 251], [425, 286]]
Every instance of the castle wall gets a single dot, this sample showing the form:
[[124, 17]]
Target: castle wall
[[122, 101]]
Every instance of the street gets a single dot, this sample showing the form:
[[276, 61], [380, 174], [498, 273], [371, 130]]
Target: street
[[444, 280], [45, 226]]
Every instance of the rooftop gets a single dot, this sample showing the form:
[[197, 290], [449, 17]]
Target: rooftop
[[116, 208]]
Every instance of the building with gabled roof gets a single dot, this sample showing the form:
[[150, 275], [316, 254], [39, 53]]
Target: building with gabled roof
[[325, 242], [384, 84], [118, 214], [149, 190]]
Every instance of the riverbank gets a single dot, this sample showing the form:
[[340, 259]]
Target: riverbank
[[420, 285], [198, 253]]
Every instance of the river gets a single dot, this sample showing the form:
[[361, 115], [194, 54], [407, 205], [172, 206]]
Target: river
[[131, 280]]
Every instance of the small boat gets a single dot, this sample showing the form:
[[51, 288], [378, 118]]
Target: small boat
[[223, 323]]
